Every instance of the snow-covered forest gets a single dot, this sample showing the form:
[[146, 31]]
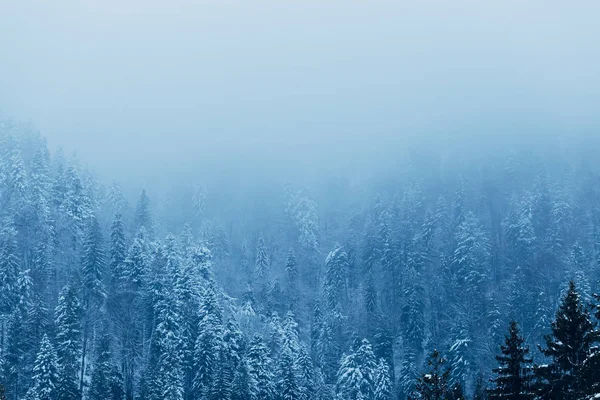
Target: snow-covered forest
[[404, 285]]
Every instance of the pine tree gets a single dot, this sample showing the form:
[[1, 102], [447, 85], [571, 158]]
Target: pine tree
[[221, 385], [573, 337], [413, 310], [291, 273], [434, 384], [94, 291], [288, 387], [118, 251], [261, 263], [514, 375], [168, 373], [260, 369], [244, 387], [306, 374], [106, 380], [336, 269], [356, 376], [209, 342], [383, 381], [9, 267], [14, 356], [143, 216], [471, 261], [45, 373], [68, 343]]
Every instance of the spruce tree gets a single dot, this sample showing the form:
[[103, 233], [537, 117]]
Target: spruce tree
[[106, 380], [260, 369], [288, 387], [14, 363], [68, 343], [143, 216], [261, 263], [383, 381], [45, 373], [514, 375], [434, 384], [9, 266], [356, 376], [573, 338]]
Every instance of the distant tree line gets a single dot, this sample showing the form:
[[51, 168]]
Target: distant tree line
[[399, 286]]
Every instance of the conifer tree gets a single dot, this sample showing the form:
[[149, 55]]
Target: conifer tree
[[356, 376], [291, 273], [434, 384], [143, 216], [14, 363], [243, 387], [514, 375], [336, 270], [383, 381], [9, 266], [68, 343], [209, 342], [288, 387], [261, 263], [106, 380], [45, 373], [261, 369], [573, 337], [118, 251]]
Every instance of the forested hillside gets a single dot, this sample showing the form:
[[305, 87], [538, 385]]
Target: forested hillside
[[392, 285]]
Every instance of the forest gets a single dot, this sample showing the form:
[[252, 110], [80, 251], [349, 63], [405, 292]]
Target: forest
[[468, 273]]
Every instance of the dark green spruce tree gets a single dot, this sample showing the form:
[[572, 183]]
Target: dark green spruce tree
[[573, 338], [514, 375]]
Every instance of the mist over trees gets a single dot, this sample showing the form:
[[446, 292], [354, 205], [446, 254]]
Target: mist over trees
[[466, 274]]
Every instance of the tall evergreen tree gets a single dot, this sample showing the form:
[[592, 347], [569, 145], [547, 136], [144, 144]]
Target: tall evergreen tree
[[514, 375], [68, 343], [106, 380], [143, 215], [573, 337], [434, 384], [288, 387], [383, 381], [261, 263], [260, 369], [45, 373], [356, 376]]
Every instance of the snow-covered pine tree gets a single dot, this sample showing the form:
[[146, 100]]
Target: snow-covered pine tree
[[167, 336], [45, 373], [118, 252], [383, 381], [143, 215], [335, 285], [68, 343], [9, 267], [356, 376], [209, 342], [106, 381], [14, 355], [288, 387], [261, 260], [260, 368], [291, 273]]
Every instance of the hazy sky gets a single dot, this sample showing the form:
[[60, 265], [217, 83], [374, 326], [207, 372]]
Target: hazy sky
[[145, 85]]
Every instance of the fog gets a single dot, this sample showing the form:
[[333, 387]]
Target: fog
[[149, 89]]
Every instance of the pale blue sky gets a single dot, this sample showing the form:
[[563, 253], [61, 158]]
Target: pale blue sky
[[292, 79]]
